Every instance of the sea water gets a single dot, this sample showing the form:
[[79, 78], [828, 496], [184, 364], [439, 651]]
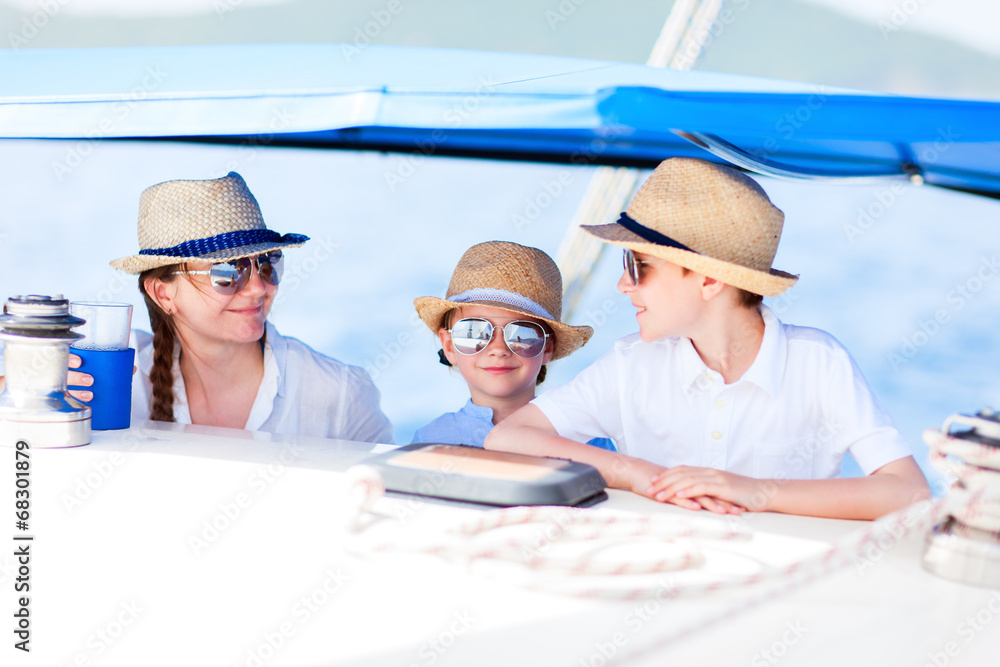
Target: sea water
[[903, 276]]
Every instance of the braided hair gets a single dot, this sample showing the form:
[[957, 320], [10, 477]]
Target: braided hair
[[164, 338]]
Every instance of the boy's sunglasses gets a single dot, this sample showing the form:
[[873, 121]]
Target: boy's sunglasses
[[232, 276], [633, 266], [472, 335]]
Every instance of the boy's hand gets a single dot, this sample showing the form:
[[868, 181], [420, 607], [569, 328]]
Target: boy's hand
[[715, 490], [642, 480]]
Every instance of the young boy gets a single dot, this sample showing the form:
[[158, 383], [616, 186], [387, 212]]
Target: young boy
[[499, 324], [716, 404]]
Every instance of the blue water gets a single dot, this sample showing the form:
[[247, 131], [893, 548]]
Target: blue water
[[903, 276]]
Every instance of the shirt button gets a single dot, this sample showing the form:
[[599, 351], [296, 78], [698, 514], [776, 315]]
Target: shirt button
[[720, 405], [716, 435]]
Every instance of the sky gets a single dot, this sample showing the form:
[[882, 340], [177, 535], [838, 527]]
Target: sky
[[971, 22]]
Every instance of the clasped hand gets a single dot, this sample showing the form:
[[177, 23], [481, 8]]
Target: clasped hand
[[702, 488]]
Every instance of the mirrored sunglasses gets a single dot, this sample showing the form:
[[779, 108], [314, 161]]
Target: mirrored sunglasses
[[472, 335], [232, 276]]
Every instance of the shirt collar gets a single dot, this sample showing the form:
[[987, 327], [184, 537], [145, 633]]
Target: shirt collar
[[277, 346], [768, 368], [694, 372], [766, 371], [477, 411]]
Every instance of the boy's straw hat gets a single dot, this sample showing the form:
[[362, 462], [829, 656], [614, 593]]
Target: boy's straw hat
[[183, 221], [708, 218], [513, 277]]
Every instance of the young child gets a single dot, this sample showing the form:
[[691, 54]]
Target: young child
[[499, 324], [716, 404]]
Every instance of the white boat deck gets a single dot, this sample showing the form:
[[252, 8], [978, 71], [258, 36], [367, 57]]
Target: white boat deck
[[173, 545]]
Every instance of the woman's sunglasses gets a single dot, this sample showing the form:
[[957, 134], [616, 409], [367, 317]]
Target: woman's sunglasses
[[472, 335], [633, 266], [231, 277]]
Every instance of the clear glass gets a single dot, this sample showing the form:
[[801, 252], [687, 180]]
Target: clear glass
[[107, 324]]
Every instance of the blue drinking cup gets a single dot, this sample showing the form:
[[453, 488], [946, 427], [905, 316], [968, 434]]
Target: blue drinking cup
[[111, 406]]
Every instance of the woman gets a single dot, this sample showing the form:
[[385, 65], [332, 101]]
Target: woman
[[209, 270]]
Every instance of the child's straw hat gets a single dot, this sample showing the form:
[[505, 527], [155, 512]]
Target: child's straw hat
[[708, 218], [184, 221], [513, 277]]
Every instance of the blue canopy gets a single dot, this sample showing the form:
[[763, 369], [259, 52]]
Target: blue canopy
[[500, 105]]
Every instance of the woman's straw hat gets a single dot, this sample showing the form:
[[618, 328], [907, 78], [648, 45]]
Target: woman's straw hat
[[513, 277], [184, 221], [708, 218]]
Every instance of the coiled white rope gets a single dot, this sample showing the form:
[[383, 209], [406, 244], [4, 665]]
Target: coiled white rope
[[578, 552], [974, 498]]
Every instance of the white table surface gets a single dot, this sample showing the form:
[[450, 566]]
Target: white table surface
[[126, 570]]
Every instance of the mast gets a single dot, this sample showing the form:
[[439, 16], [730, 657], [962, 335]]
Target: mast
[[681, 42]]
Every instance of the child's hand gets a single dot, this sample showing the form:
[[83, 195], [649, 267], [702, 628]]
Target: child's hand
[[642, 476], [714, 490]]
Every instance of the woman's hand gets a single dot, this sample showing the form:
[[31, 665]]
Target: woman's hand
[[79, 379]]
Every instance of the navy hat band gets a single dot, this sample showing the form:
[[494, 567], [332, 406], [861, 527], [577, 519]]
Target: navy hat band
[[227, 241]]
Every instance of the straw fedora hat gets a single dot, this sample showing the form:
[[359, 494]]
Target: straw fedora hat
[[184, 221], [513, 277], [708, 218]]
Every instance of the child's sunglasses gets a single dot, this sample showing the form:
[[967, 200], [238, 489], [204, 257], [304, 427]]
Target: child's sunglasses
[[633, 266], [472, 335], [232, 276]]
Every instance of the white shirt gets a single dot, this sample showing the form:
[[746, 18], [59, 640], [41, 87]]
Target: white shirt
[[797, 410], [302, 393]]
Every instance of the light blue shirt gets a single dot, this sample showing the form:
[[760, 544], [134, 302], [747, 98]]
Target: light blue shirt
[[470, 425]]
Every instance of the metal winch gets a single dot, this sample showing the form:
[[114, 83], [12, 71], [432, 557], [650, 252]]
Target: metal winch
[[966, 545], [34, 406]]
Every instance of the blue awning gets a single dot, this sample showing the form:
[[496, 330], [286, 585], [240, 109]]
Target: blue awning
[[502, 105]]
